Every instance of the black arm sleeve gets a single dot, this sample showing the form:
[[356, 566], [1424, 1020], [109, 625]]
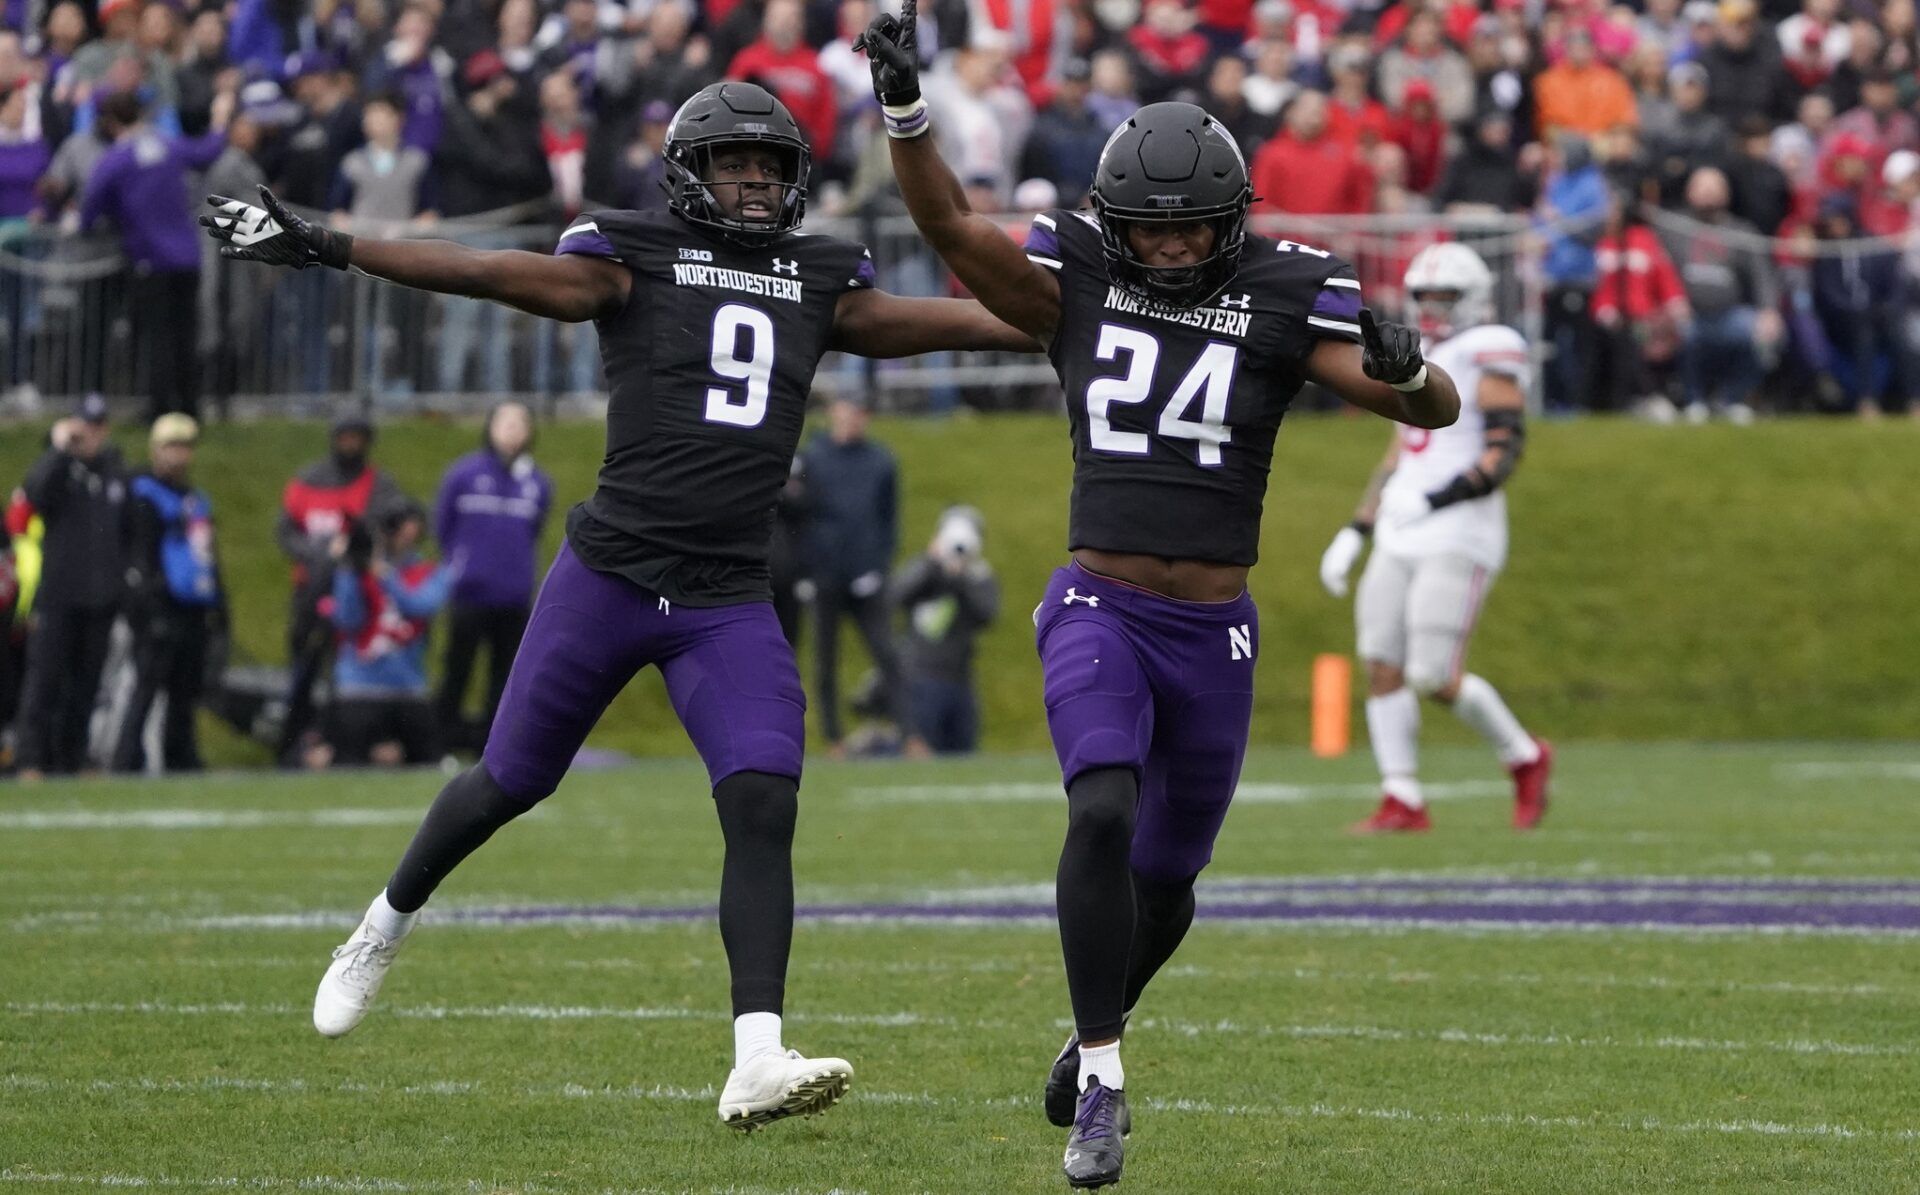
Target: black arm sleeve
[[1507, 439]]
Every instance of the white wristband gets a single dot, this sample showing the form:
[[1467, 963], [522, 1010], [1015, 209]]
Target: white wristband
[[1417, 382], [905, 120]]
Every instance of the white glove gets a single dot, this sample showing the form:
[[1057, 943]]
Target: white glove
[[1338, 560]]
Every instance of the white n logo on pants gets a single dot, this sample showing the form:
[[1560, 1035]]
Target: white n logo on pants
[[1240, 639]]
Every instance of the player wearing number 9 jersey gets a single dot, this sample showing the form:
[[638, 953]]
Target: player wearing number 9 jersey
[[1180, 340], [712, 319]]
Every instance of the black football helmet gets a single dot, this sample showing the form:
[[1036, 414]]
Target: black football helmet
[[1172, 163], [726, 114]]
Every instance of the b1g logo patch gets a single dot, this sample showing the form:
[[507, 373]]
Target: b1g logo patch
[[695, 255]]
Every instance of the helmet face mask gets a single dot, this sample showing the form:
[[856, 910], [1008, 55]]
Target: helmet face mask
[[728, 118], [1449, 288], [1172, 164]]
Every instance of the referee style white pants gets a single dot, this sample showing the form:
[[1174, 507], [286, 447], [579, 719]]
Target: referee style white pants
[[1417, 613]]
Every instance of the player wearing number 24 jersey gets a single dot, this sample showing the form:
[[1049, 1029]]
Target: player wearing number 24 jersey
[[712, 318], [1180, 340]]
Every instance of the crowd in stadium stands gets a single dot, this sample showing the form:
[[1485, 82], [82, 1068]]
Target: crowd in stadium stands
[[112, 596], [1658, 142]]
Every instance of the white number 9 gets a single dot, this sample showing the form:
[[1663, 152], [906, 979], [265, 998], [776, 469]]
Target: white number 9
[[756, 369]]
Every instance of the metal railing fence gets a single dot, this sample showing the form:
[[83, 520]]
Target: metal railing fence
[[311, 341]]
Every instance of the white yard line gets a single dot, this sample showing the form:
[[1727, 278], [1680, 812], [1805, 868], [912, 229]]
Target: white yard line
[[1251, 793], [27, 1176], [201, 819], [672, 1094], [1810, 770], [909, 1019], [1657, 983]]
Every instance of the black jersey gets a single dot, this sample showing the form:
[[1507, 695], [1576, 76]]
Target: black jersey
[[708, 368], [1174, 411]]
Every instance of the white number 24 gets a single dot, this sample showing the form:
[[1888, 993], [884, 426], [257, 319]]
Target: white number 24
[[1209, 381]]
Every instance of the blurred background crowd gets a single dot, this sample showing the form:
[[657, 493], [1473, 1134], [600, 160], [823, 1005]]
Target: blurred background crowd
[[1694, 206], [116, 612]]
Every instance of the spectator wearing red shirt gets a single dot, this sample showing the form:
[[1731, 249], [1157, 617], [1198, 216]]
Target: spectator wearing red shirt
[[1422, 135], [1172, 53], [1639, 305], [1032, 31], [1308, 170], [783, 62], [1878, 121], [1225, 23], [1353, 116]]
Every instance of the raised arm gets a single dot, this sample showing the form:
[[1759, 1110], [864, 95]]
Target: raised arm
[[980, 254], [571, 287], [1387, 375], [874, 323]]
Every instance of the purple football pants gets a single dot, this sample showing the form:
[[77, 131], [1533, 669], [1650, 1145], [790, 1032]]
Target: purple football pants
[[1163, 687], [729, 672]]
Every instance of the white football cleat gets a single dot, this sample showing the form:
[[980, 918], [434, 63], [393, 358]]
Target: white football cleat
[[771, 1087], [350, 984]]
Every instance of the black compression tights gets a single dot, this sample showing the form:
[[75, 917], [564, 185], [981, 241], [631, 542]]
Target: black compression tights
[[1093, 894], [757, 812], [1162, 915], [465, 814]]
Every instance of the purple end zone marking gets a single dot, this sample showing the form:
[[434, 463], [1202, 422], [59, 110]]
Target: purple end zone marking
[[1673, 903], [1811, 886]]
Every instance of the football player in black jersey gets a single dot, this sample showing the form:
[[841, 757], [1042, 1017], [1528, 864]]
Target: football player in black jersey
[[712, 318], [1180, 339]]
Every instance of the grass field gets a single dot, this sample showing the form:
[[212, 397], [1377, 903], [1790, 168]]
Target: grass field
[[1703, 975]]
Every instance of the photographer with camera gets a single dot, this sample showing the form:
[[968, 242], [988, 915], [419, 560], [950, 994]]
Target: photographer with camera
[[385, 594], [79, 489], [949, 595], [316, 508]]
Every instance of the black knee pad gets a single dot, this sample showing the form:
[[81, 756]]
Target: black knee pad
[[1100, 804], [758, 806]]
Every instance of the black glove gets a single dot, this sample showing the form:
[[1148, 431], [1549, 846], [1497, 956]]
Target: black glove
[[893, 55], [1389, 352], [272, 234]]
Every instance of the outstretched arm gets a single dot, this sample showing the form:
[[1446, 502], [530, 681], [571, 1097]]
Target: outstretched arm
[[982, 256], [570, 287], [1386, 374], [874, 323]]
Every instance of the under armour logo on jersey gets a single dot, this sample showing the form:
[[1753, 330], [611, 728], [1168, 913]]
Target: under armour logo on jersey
[[1074, 595], [786, 267], [1240, 641], [1243, 302]]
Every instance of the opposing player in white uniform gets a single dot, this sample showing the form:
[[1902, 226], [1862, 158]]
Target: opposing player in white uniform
[[1439, 517]]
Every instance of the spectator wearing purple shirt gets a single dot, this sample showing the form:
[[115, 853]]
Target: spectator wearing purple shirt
[[140, 184], [410, 67], [23, 159], [492, 506], [24, 153]]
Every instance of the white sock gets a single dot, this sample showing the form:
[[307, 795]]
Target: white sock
[[1393, 727], [755, 1033], [391, 922], [1480, 707], [1102, 1063]]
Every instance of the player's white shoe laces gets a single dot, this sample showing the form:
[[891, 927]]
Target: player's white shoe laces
[[772, 1086], [350, 984]]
